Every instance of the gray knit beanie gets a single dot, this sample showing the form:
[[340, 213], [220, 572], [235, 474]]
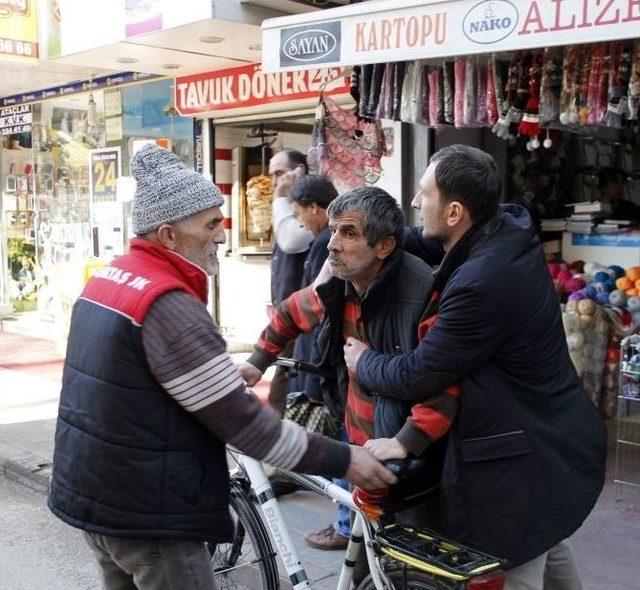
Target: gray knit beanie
[[166, 190]]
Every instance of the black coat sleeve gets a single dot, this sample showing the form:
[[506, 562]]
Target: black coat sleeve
[[466, 334], [428, 249]]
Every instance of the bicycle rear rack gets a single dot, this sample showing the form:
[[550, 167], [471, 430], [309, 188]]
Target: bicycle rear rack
[[425, 550]]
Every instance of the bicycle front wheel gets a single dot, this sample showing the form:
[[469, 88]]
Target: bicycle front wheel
[[248, 562]]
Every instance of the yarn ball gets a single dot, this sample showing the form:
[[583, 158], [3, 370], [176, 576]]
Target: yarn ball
[[617, 298], [633, 304], [591, 291], [577, 295], [574, 284], [633, 272], [588, 321], [633, 292], [601, 276], [624, 283], [618, 270], [602, 298], [572, 305], [592, 267], [577, 267], [587, 307], [613, 354], [564, 275], [601, 287]]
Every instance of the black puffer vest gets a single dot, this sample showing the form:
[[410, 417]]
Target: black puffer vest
[[129, 461]]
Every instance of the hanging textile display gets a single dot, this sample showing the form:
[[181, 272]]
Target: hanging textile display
[[482, 115], [619, 71], [398, 80], [385, 104], [436, 99], [550, 86], [525, 94], [568, 95], [469, 108], [458, 92], [448, 90], [530, 123], [345, 147]]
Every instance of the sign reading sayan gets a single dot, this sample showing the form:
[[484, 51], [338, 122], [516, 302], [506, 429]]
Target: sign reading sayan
[[310, 44], [403, 30], [19, 29], [248, 86], [15, 119]]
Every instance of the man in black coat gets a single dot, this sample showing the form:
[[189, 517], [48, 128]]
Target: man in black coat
[[526, 456]]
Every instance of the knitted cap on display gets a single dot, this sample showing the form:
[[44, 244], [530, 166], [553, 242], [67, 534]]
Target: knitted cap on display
[[166, 190]]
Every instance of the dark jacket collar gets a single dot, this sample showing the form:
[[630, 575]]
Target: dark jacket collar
[[335, 287]]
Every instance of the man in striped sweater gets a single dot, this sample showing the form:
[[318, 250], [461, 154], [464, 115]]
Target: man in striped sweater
[[378, 292], [150, 397]]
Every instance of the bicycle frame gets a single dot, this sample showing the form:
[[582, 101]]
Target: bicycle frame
[[362, 531]]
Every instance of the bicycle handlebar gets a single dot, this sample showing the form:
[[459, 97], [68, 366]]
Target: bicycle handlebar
[[295, 365]]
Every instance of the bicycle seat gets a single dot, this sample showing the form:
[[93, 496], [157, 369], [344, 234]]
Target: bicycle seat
[[417, 478]]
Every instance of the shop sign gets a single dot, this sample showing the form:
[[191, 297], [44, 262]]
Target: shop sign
[[198, 147], [104, 169], [630, 240], [248, 86], [19, 29], [15, 119], [310, 44], [415, 29], [111, 81]]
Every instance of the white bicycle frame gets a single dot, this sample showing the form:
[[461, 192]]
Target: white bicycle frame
[[362, 529]]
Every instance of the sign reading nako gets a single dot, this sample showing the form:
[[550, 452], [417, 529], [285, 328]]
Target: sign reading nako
[[490, 21]]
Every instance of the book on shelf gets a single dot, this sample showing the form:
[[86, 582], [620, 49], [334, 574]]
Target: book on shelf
[[553, 224], [590, 207], [579, 227], [608, 228], [618, 221]]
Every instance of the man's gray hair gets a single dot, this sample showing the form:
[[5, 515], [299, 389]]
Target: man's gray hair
[[382, 214]]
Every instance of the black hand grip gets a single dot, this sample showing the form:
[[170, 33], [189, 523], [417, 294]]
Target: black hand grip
[[296, 365]]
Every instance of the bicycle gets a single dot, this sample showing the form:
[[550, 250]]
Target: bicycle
[[399, 557]]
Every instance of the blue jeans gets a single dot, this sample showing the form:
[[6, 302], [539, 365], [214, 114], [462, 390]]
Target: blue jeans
[[151, 564], [343, 524]]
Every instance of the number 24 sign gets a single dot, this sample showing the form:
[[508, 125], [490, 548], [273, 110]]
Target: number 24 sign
[[104, 169]]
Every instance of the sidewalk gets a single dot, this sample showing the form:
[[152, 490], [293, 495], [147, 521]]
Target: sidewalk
[[606, 547]]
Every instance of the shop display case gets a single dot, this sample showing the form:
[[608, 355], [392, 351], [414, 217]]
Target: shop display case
[[251, 201], [627, 470]]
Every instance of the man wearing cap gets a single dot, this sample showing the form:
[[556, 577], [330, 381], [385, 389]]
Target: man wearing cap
[[150, 397]]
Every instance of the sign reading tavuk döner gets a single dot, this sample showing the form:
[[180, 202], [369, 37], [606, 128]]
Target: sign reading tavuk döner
[[247, 86], [398, 30]]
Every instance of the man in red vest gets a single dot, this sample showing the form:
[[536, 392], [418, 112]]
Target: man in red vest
[[150, 397]]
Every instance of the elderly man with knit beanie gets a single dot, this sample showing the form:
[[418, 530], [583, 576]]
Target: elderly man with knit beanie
[[150, 397]]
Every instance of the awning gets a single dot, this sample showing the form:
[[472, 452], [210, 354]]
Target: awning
[[401, 30]]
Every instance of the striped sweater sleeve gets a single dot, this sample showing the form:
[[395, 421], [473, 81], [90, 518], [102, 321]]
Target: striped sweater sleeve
[[187, 355], [298, 314]]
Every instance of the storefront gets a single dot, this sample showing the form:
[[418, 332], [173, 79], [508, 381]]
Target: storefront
[[559, 116], [254, 115], [65, 181]]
